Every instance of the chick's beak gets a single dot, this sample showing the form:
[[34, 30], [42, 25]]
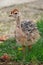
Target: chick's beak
[[12, 15]]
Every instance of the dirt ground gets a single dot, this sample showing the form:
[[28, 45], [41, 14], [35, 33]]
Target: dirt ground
[[31, 11]]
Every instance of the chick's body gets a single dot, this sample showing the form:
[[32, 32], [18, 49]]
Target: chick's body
[[27, 33]]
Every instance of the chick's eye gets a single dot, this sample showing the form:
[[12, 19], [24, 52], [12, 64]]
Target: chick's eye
[[15, 13]]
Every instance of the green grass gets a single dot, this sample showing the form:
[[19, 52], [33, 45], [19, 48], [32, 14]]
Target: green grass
[[40, 26], [36, 53]]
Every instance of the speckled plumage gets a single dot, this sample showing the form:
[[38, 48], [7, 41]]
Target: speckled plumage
[[28, 26]]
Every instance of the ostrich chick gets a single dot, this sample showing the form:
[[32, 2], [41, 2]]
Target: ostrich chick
[[26, 31]]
